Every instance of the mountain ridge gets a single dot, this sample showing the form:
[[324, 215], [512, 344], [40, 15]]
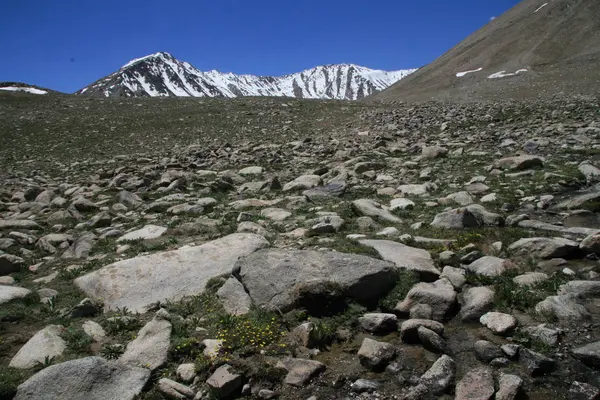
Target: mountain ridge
[[537, 48], [162, 75]]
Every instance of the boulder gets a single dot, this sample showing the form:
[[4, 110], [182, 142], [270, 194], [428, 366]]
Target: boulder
[[440, 295], [224, 382], [477, 301], [146, 233], [378, 322], [138, 282], [234, 298], [300, 371], [45, 343], [431, 340], [10, 224], [588, 354], [537, 364], [591, 244], [10, 293], [371, 208], [409, 330], [81, 247], [90, 378], [508, 387], [499, 323], [10, 263], [440, 377], [280, 279], [175, 390], [519, 163], [544, 247], [490, 266], [406, 257], [565, 308], [150, 348], [583, 391], [302, 183], [477, 384], [375, 355]]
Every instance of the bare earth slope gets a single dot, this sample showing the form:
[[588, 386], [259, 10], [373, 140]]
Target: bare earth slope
[[556, 41]]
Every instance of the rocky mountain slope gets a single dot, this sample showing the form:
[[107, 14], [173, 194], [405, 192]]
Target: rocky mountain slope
[[538, 48], [20, 87], [160, 74], [308, 248]]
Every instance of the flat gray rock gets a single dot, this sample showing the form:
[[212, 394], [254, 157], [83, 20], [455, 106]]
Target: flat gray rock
[[544, 226], [406, 257], [19, 224], [440, 376], [544, 247], [45, 343], [371, 208], [477, 384], [10, 293], [145, 233], [581, 288], [499, 323], [138, 282], [90, 378], [300, 371], [279, 279]]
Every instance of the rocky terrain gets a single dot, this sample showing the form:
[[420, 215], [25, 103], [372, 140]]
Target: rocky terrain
[[536, 49], [306, 250]]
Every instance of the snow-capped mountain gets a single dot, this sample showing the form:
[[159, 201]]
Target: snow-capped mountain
[[23, 88], [161, 74]]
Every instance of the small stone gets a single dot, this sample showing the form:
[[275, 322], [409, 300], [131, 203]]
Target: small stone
[[409, 329], [175, 390], [431, 340], [94, 330], [499, 323], [375, 355], [378, 322], [364, 386], [186, 372], [511, 350], [224, 382]]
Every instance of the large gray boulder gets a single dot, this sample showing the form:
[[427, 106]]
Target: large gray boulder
[[45, 343], [138, 282], [90, 378], [19, 224], [440, 377], [81, 247], [279, 279], [439, 295], [544, 247], [406, 257]]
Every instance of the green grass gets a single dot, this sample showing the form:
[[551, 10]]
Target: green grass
[[405, 281], [10, 378]]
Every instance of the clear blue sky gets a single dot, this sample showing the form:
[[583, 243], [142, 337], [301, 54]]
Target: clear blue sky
[[67, 44]]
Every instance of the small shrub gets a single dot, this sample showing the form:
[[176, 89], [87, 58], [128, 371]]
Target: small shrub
[[405, 281], [112, 351], [10, 378], [77, 340]]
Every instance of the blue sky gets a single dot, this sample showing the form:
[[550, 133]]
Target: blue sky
[[67, 44]]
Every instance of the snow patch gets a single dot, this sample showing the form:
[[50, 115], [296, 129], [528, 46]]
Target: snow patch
[[540, 7], [504, 74], [461, 74], [23, 89]]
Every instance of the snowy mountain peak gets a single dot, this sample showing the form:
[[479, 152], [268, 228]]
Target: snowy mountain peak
[[162, 75]]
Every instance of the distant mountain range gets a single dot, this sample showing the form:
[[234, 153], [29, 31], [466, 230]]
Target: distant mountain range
[[162, 75], [539, 48], [21, 87]]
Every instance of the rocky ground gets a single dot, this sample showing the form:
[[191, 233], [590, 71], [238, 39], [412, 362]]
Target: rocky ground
[[263, 248]]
